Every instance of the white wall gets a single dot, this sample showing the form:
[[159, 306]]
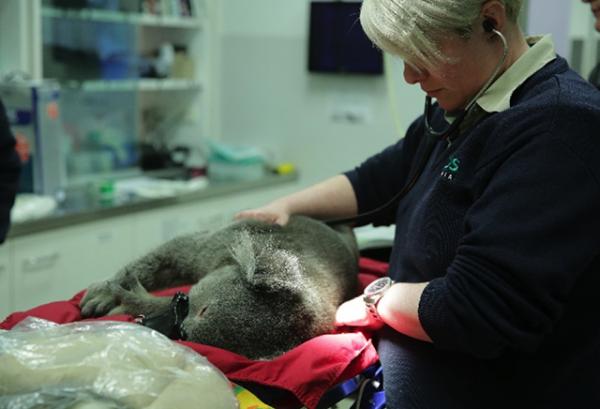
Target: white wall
[[268, 98], [551, 16], [581, 28], [20, 46], [569, 22]]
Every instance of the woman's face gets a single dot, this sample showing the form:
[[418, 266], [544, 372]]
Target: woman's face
[[595, 6], [454, 83]]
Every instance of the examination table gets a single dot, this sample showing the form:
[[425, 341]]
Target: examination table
[[316, 374]]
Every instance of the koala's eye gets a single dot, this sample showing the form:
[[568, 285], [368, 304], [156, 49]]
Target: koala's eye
[[202, 311]]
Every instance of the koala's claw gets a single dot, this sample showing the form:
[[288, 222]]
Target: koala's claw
[[99, 299], [114, 297]]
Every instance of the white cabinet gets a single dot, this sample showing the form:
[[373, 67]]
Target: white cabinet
[[5, 285], [109, 247], [43, 264], [54, 265], [155, 227]]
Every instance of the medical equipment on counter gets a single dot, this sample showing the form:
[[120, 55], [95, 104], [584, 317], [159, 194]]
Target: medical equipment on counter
[[232, 163], [145, 187], [33, 110], [431, 137], [29, 206]]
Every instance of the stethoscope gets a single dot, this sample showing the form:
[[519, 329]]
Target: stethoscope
[[431, 137]]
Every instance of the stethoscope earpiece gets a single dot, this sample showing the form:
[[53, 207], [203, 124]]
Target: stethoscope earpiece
[[489, 25]]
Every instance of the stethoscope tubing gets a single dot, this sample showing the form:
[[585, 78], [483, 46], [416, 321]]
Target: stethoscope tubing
[[431, 137]]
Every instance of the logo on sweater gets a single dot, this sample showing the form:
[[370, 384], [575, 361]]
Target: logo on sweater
[[451, 169]]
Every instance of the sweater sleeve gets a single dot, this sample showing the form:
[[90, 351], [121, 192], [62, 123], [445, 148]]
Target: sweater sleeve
[[10, 167], [528, 237], [380, 177]]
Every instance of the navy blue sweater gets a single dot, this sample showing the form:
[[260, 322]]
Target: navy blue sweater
[[505, 225], [594, 77], [10, 167]]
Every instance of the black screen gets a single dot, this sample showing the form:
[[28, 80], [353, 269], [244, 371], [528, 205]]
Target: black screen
[[337, 43]]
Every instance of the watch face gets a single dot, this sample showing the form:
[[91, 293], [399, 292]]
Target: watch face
[[378, 285]]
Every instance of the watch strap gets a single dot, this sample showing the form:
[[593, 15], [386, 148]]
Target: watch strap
[[372, 309], [372, 300]]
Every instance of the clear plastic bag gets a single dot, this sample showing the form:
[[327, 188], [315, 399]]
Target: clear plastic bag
[[104, 365]]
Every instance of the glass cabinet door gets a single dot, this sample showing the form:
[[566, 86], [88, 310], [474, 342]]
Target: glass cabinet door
[[130, 83]]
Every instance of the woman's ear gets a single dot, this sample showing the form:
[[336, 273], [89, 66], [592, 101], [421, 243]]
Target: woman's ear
[[493, 12]]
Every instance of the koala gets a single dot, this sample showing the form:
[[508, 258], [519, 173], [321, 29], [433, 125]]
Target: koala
[[258, 289]]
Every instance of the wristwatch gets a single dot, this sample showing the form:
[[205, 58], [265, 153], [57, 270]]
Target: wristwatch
[[373, 294]]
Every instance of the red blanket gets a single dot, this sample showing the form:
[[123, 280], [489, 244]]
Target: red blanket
[[307, 371]]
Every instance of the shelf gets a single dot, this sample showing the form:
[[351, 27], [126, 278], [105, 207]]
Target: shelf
[[135, 85], [109, 16]]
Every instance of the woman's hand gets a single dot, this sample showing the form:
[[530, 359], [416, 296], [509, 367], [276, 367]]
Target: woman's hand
[[330, 199], [354, 313], [271, 213]]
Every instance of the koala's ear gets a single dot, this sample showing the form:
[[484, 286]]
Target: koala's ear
[[277, 271], [266, 268], [261, 280]]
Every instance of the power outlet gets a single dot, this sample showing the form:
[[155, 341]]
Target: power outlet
[[351, 114]]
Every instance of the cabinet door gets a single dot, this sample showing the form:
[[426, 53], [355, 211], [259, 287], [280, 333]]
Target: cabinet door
[[152, 228], [212, 213], [155, 227], [55, 265], [206, 215], [110, 242], [41, 263], [5, 287]]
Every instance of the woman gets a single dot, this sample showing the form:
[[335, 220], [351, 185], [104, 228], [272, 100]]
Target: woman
[[496, 259], [595, 7], [11, 156]]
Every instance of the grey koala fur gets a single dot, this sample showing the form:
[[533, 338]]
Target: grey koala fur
[[258, 289]]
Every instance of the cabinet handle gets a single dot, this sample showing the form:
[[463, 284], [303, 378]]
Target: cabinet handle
[[40, 262], [104, 237]]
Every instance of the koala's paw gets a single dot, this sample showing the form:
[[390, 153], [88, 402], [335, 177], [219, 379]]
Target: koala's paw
[[99, 299]]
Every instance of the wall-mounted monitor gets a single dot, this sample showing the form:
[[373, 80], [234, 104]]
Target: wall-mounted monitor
[[337, 43]]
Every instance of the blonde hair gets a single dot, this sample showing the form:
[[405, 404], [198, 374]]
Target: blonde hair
[[412, 29]]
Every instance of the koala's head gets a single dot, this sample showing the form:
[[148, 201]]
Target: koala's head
[[259, 306]]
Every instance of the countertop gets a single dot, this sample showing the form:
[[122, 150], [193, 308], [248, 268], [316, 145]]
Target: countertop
[[81, 207]]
